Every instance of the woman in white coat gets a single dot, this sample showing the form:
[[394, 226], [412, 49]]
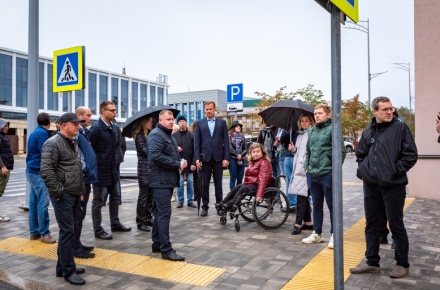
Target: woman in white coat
[[298, 184]]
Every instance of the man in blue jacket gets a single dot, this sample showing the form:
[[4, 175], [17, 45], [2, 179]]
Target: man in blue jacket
[[90, 175], [39, 196], [164, 166]]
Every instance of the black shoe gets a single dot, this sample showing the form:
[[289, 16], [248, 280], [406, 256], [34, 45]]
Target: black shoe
[[293, 209], [144, 228], [155, 249], [84, 255], [204, 212], [149, 222], [78, 271], [74, 279], [218, 205], [219, 212], [393, 246], [121, 228], [284, 209], [172, 256], [296, 230], [179, 205], [384, 240], [88, 249], [103, 236], [192, 205], [305, 227]]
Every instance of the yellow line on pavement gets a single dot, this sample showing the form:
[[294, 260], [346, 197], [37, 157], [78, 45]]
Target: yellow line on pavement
[[179, 272], [318, 273]]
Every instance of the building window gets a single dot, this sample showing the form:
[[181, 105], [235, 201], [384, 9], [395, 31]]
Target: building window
[[41, 85], [79, 98], [115, 95], [143, 96], [21, 82], [199, 110], [92, 92], [66, 104], [103, 91], [52, 98], [124, 98], [178, 108], [5, 79], [160, 96], [134, 97], [185, 110], [152, 96], [191, 113]]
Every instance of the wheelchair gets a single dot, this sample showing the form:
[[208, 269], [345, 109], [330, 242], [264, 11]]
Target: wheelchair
[[271, 213]]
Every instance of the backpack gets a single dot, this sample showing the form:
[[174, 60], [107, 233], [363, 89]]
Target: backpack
[[268, 141]]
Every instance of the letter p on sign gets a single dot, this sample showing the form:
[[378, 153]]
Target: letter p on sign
[[235, 93]]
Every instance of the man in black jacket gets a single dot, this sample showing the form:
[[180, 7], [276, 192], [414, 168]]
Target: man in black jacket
[[105, 137], [385, 154], [6, 160], [164, 166], [185, 143]]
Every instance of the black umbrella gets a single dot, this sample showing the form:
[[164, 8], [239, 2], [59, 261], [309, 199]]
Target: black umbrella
[[285, 113], [153, 111]]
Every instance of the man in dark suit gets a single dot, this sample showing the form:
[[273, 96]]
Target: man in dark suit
[[211, 151], [105, 137]]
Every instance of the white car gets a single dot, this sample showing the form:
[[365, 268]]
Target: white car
[[348, 144], [128, 168]]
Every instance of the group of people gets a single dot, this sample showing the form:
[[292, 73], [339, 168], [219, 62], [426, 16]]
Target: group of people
[[63, 168]]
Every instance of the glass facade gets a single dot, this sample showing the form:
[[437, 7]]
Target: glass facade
[[103, 88], [66, 104], [184, 110], [41, 85], [114, 92], [92, 93], [5, 79], [191, 113], [52, 98], [199, 110], [160, 96], [134, 97], [21, 82], [143, 96], [79, 98], [124, 98], [152, 96]]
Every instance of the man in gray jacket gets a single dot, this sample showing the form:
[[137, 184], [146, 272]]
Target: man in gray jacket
[[61, 171]]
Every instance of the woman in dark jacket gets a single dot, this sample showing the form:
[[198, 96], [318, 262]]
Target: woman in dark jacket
[[237, 149], [145, 203]]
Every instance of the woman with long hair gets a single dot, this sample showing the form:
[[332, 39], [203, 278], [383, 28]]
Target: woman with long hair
[[237, 150], [145, 205]]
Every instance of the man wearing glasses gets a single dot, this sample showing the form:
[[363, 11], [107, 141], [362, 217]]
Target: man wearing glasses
[[105, 137], [385, 154]]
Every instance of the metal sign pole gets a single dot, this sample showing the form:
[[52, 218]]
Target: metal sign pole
[[337, 148]]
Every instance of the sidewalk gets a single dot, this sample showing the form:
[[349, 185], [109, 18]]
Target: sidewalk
[[253, 258]]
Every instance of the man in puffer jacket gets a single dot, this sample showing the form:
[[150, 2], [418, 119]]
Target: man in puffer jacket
[[61, 170], [6, 160], [385, 154]]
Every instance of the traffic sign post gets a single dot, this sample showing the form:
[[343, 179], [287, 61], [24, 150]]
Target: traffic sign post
[[68, 69]]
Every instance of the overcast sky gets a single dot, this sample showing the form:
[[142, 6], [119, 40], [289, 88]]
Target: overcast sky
[[206, 44]]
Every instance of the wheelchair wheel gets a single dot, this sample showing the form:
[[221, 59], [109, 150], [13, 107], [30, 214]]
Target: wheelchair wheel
[[245, 208], [237, 225], [223, 220], [268, 213]]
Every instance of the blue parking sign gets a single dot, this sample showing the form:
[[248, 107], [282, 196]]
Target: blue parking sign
[[234, 93]]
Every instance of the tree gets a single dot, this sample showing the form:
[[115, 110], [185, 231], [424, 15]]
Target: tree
[[355, 116], [310, 95], [407, 117]]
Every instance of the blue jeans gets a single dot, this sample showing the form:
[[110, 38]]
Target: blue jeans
[[288, 168], [321, 187], [236, 173], [38, 205], [189, 189], [161, 224], [281, 157]]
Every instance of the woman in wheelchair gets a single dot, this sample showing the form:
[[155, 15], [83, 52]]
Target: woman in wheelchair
[[257, 177]]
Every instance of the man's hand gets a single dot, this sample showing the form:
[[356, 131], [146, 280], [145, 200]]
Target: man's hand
[[225, 163], [5, 171], [239, 156], [291, 147], [183, 165], [179, 148], [199, 164], [193, 167]]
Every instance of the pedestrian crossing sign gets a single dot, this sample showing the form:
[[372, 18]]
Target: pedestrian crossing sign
[[68, 69]]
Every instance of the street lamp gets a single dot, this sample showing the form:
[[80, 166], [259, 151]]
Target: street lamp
[[406, 67], [365, 29]]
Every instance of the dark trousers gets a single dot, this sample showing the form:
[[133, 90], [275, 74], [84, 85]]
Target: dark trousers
[[79, 218], [383, 228], [236, 173], [161, 224], [97, 203], [321, 188], [145, 205], [217, 170], [66, 208], [303, 210], [234, 196], [393, 199]]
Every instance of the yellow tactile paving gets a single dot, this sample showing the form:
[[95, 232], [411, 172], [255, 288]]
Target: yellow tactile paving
[[179, 272], [318, 273]]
